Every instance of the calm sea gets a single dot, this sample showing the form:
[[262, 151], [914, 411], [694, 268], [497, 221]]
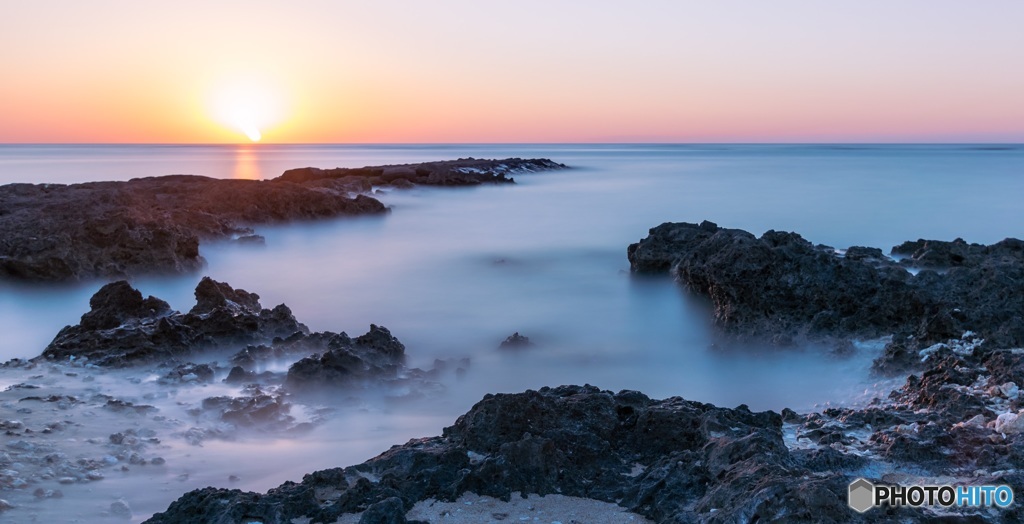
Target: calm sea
[[452, 272]]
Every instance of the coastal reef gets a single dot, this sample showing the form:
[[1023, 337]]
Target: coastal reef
[[56, 232]]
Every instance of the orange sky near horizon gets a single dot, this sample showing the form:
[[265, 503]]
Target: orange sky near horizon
[[317, 71]]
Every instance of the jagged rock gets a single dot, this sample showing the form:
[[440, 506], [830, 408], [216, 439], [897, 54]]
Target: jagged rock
[[372, 357], [515, 341], [123, 329], [238, 375], [258, 410], [781, 287], [388, 511], [380, 340], [577, 441]]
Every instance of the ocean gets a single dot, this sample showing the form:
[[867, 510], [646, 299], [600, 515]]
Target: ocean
[[453, 271]]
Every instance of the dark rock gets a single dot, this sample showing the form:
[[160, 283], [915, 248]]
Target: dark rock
[[462, 172], [515, 341], [388, 511], [781, 288], [212, 295], [384, 343], [259, 410], [123, 329], [237, 375], [897, 358], [577, 441], [118, 302], [145, 225], [370, 358], [55, 232]]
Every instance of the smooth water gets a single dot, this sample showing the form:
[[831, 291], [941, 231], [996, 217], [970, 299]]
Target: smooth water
[[452, 272]]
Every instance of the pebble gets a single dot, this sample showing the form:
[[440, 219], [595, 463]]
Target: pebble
[[1009, 390], [1009, 423]]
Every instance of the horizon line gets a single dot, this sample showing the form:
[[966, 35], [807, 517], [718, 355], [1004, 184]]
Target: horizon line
[[638, 143]]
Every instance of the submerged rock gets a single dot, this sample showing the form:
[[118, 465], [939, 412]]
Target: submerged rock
[[123, 329]]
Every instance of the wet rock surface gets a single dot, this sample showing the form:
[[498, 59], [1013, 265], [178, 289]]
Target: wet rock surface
[[782, 288], [56, 232], [124, 329]]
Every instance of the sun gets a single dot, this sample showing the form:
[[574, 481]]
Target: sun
[[248, 108], [253, 133]]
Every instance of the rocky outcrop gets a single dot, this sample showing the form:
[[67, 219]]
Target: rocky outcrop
[[515, 341], [462, 172], [671, 460], [55, 232], [782, 288], [122, 328], [146, 225], [370, 358]]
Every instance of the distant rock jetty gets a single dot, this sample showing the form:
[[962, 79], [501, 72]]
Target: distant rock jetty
[[56, 232]]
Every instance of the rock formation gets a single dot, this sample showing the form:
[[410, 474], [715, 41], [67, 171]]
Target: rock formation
[[782, 288], [56, 232]]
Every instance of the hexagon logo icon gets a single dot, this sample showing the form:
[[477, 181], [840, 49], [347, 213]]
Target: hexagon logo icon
[[861, 495]]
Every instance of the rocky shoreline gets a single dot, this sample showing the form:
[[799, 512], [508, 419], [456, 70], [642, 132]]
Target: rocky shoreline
[[56, 232], [783, 289], [948, 311], [955, 421]]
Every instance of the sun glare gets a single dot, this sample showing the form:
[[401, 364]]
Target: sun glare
[[253, 133], [247, 108]]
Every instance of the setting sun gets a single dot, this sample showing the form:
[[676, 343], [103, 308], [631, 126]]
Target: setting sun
[[248, 108]]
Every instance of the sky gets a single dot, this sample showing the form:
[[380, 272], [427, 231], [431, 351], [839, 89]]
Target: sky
[[311, 71]]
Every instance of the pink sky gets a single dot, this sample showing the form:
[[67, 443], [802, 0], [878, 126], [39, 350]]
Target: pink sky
[[526, 71]]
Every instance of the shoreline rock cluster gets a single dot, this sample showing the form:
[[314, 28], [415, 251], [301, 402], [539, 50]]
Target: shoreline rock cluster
[[675, 460], [786, 290], [958, 420], [56, 232], [122, 329], [124, 337]]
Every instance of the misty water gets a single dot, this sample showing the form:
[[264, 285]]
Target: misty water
[[452, 272]]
